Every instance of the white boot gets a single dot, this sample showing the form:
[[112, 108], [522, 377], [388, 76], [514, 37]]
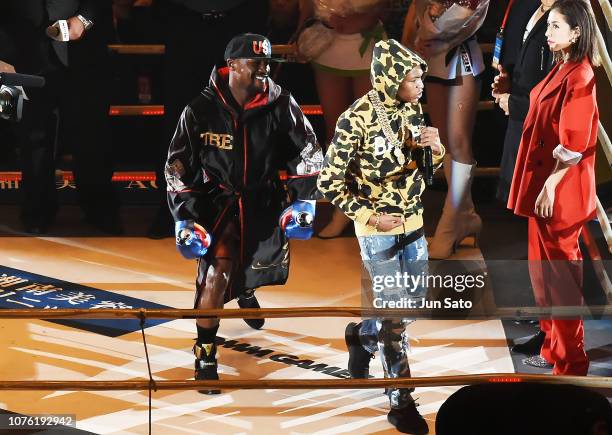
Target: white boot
[[459, 219]]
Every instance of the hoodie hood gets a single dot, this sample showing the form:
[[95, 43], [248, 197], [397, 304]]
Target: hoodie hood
[[219, 83], [391, 61]]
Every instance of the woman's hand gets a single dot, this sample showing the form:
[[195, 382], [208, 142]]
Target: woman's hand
[[386, 222], [430, 137], [545, 201]]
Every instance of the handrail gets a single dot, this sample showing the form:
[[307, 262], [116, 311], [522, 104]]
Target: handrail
[[604, 223], [607, 11], [145, 49], [598, 264], [157, 49], [308, 109], [606, 62], [606, 145], [5, 176]]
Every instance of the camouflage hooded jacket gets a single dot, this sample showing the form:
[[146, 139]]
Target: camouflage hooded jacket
[[361, 174]]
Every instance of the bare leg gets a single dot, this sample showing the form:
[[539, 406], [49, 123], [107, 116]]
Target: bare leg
[[361, 85], [462, 105], [437, 108], [214, 276], [336, 95], [214, 284]]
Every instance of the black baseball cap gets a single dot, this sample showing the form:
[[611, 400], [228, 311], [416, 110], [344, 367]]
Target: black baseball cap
[[250, 46]]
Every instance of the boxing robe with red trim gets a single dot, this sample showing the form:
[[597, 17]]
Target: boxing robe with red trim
[[224, 162]]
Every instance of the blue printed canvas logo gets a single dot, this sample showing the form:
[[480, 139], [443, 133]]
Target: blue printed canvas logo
[[20, 290]]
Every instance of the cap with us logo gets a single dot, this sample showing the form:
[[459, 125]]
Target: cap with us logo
[[250, 46]]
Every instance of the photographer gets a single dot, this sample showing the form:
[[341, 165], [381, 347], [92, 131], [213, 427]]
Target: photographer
[[73, 65]]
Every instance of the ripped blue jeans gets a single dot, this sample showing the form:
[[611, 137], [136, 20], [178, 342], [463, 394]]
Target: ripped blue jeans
[[386, 256]]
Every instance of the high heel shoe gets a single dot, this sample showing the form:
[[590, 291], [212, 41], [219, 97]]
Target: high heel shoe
[[459, 218], [469, 225]]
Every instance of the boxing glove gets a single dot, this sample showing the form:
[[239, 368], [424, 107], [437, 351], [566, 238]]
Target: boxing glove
[[192, 240], [297, 219]]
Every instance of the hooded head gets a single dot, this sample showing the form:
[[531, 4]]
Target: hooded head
[[391, 62]]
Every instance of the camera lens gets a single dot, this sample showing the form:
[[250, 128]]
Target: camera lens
[[5, 101], [11, 103]]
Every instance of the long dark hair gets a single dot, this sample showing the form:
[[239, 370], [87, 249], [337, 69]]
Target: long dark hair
[[578, 13]]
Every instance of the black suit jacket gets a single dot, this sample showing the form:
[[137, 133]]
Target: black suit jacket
[[527, 62], [518, 18], [23, 41]]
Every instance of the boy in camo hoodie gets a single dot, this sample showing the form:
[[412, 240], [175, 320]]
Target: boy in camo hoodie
[[369, 173]]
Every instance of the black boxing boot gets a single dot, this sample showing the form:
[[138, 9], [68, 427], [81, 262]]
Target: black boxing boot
[[359, 357], [248, 300], [206, 364]]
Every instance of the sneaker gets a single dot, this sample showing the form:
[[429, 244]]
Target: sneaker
[[359, 358], [532, 346], [248, 300], [408, 420], [537, 361], [206, 364]]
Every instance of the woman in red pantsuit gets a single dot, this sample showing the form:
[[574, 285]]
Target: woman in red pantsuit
[[554, 180]]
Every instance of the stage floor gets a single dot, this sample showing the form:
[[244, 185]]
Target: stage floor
[[131, 269]]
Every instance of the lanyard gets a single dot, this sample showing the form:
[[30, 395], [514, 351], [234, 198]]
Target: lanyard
[[503, 26], [499, 39]]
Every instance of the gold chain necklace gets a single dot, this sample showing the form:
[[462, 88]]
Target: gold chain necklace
[[386, 126]]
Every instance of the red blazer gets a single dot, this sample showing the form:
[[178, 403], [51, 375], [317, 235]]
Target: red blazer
[[562, 110]]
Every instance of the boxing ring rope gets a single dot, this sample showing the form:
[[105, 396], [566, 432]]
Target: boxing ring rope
[[152, 385], [278, 313], [306, 384], [233, 313]]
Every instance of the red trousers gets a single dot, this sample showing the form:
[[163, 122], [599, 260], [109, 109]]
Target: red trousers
[[555, 269]]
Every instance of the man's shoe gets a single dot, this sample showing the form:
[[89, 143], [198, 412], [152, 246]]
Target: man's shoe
[[537, 361], [248, 300], [408, 420], [206, 364], [359, 358], [532, 346]]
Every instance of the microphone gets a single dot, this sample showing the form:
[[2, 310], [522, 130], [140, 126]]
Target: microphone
[[53, 32], [424, 158], [26, 80]]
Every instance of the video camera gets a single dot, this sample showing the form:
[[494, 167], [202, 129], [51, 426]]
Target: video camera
[[11, 97]]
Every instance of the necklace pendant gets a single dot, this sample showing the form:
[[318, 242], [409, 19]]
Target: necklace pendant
[[397, 152]]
